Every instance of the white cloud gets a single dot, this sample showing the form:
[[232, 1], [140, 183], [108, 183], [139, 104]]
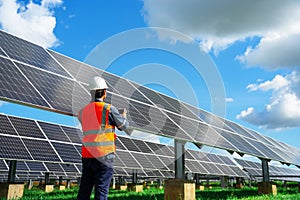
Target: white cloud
[[277, 83], [283, 110], [218, 24], [229, 100], [33, 22], [275, 53]]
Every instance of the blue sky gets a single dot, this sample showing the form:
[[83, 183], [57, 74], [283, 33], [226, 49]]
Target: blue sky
[[254, 45]]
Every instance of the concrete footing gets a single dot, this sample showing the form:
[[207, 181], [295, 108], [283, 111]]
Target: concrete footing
[[11, 190], [48, 188], [135, 187], [62, 187], [267, 188], [200, 187], [121, 187], [176, 189]]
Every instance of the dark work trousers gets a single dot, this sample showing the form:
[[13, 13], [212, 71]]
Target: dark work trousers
[[96, 173]]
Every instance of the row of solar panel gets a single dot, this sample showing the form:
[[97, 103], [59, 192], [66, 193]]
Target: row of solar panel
[[36, 77], [131, 153], [255, 170]]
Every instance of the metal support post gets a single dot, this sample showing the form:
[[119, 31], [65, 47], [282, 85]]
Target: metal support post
[[207, 182], [134, 176], [265, 170], [179, 159], [285, 184], [121, 180], [47, 178], [12, 171], [60, 180], [197, 179]]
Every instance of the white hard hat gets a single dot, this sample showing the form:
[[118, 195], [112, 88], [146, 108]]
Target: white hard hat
[[97, 83]]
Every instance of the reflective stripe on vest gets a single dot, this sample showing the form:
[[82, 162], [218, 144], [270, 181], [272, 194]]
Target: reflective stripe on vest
[[98, 136]]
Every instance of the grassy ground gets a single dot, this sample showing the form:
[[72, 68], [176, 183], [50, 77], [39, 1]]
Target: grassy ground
[[157, 194]]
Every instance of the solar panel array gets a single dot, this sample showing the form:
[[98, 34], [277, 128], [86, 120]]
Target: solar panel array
[[43, 78], [283, 173], [55, 148]]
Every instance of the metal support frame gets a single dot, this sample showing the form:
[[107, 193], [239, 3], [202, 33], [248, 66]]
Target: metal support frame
[[60, 180], [47, 178], [121, 180], [134, 176], [265, 170], [12, 171], [197, 179], [179, 159]]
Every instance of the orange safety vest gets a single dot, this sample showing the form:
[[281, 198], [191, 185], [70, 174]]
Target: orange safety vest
[[98, 136]]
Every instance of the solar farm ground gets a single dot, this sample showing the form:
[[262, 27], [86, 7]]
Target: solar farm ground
[[158, 194]]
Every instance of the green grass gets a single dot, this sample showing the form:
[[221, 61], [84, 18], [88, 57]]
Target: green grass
[[157, 194]]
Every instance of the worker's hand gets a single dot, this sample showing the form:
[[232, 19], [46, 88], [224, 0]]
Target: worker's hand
[[124, 114]]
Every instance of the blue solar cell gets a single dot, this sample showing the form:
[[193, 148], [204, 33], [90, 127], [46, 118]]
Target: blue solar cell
[[13, 148], [63, 94], [14, 86], [26, 52]]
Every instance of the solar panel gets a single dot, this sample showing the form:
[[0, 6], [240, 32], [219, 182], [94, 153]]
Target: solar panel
[[40, 150], [156, 161], [24, 51], [119, 145], [47, 84], [128, 160], [120, 171], [73, 134], [36, 166], [129, 144], [6, 127], [53, 132], [143, 160], [69, 168], [123, 87], [13, 85], [241, 144], [26, 127], [118, 161], [9, 149], [3, 166], [157, 99], [254, 169], [21, 166], [63, 94], [54, 167], [238, 129], [82, 72], [67, 152], [169, 162], [200, 167], [142, 146], [214, 138]]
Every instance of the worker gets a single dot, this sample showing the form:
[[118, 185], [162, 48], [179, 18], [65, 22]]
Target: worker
[[98, 120]]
